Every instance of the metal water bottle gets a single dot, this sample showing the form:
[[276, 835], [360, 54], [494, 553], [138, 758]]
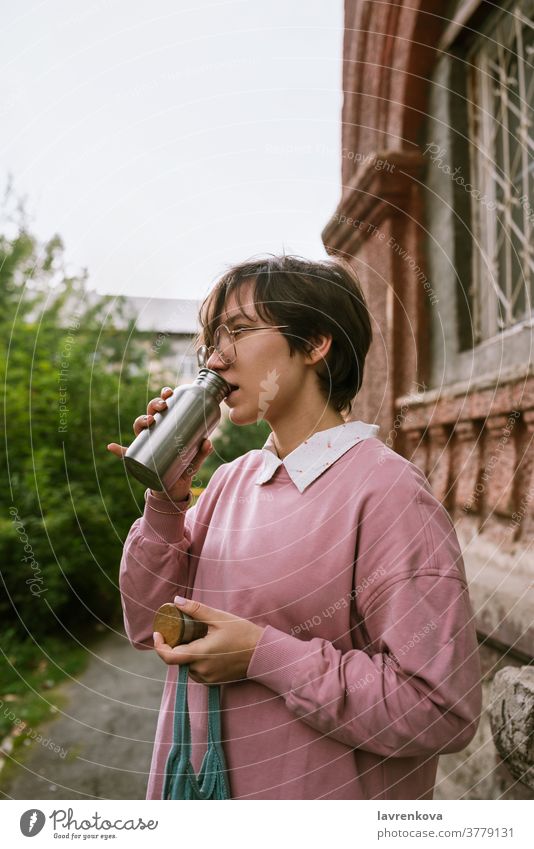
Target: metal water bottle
[[161, 453]]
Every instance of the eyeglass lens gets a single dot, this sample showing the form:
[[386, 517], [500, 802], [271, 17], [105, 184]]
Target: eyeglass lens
[[224, 344]]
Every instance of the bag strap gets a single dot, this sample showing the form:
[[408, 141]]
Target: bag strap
[[180, 779], [182, 726]]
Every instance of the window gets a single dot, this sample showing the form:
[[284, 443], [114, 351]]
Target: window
[[501, 133], [188, 366]]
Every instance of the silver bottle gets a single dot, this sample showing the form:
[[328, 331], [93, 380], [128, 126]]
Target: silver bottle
[[162, 452]]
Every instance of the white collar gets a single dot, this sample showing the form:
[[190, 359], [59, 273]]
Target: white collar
[[316, 454]]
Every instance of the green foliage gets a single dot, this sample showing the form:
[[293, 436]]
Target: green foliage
[[70, 388], [233, 442]]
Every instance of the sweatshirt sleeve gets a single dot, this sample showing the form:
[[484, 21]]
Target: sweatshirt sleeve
[[415, 689], [155, 565], [157, 560]]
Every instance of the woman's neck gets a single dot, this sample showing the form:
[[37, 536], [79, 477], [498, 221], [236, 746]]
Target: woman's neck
[[289, 434]]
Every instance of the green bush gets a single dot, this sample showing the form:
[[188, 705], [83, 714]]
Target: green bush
[[231, 443], [66, 504]]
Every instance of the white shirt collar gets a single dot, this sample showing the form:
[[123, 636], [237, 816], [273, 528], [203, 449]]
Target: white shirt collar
[[316, 454]]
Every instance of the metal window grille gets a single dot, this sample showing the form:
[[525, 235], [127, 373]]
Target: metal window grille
[[501, 132]]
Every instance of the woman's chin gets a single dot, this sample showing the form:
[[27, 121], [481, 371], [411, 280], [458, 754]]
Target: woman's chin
[[242, 417]]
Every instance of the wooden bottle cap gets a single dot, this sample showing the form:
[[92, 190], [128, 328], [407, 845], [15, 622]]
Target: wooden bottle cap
[[177, 627], [169, 622]]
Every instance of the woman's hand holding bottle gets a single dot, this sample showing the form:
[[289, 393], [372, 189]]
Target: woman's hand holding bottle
[[180, 489]]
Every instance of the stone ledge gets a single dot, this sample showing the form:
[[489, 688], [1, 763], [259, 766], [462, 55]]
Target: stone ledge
[[463, 388]]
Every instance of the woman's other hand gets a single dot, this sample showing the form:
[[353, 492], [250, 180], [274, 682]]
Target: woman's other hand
[[223, 655]]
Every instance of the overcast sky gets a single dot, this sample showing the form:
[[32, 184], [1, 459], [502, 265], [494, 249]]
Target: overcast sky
[[164, 140]]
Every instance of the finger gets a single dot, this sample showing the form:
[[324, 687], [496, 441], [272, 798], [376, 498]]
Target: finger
[[205, 450], [163, 649], [141, 423], [167, 656], [166, 392], [156, 405], [180, 651], [172, 656], [200, 611], [118, 450]]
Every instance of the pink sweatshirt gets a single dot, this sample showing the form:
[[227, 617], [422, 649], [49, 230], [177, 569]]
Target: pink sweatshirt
[[368, 664]]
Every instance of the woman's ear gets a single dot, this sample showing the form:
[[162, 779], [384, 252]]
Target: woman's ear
[[318, 348]]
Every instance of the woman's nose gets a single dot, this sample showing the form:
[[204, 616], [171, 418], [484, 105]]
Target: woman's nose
[[215, 361]]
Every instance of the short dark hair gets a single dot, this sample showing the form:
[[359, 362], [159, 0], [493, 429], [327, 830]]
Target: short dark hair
[[314, 298]]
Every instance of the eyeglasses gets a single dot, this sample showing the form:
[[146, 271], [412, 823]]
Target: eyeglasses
[[224, 343]]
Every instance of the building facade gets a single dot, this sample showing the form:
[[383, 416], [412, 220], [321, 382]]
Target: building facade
[[168, 329], [437, 217]]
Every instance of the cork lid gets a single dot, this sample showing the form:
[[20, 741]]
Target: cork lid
[[169, 622]]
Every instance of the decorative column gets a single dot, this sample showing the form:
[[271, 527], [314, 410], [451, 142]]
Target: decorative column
[[415, 448], [439, 461], [522, 519], [466, 467], [497, 476]]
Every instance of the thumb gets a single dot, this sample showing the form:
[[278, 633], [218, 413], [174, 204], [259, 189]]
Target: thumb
[[118, 450], [199, 611]]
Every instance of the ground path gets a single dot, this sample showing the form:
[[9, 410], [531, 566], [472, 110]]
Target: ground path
[[106, 726]]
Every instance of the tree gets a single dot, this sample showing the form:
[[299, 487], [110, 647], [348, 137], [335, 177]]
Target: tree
[[70, 383]]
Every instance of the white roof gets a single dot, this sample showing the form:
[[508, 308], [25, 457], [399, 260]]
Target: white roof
[[151, 315], [163, 315]]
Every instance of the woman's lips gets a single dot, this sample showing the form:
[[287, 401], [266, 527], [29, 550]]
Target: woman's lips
[[234, 390]]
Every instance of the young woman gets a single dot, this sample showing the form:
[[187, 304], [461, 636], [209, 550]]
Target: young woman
[[330, 577]]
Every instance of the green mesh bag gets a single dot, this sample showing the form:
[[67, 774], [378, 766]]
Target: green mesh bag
[[181, 781]]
